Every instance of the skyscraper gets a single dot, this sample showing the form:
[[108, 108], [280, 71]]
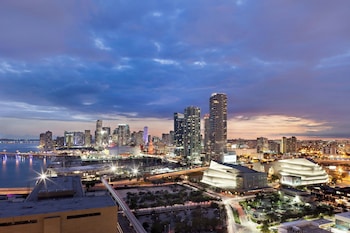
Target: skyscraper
[[123, 134], [206, 141], [145, 135], [192, 134], [218, 123], [87, 138], [262, 145], [106, 134], [98, 133], [46, 141], [178, 129]]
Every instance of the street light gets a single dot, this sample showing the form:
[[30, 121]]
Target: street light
[[43, 176]]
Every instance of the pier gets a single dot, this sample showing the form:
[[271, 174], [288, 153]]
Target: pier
[[27, 154]]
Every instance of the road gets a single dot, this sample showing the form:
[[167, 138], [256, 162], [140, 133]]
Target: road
[[246, 226], [131, 217]]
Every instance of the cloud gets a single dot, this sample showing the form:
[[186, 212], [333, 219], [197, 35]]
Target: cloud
[[276, 126], [165, 61], [125, 60], [5, 67], [100, 44]]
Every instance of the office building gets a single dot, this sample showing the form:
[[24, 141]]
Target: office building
[[206, 141], [46, 142], [262, 145], [289, 145], [60, 141], [145, 135], [98, 133], [192, 135], [59, 205], [106, 136], [137, 139], [218, 124], [87, 138], [74, 139], [123, 136]]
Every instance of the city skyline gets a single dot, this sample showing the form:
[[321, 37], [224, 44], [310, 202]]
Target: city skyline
[[282, 64]]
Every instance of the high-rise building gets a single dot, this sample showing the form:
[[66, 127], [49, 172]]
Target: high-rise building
[[87, 139], [178, 129], [166, 139], [74, 139], [206, 141], [60, 141], [145, 135], [98, 133], [123, 134], [262, 145], [68, 139], [218, 123], [106, 133], [289, 145], [46, 142], [172, 137], [192, 135]]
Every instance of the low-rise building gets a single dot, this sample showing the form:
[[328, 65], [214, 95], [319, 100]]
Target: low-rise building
[[235, 177], [300, 172], [59, 205], [342, 223], [304, 226]]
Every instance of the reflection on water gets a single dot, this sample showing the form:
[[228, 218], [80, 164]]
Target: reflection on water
[[20, 171]]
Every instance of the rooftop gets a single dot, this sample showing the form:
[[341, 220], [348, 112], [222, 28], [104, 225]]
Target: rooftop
[[62, 193]]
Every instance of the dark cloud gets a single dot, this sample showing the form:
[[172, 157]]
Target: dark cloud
[[80, 60]]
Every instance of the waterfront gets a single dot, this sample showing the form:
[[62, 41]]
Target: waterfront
[[20, 171]]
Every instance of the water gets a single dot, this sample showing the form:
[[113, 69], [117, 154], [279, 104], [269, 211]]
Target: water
[[23, 171], [20, 171]]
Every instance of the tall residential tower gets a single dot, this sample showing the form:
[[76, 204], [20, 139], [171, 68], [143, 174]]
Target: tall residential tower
[[192, 135], [218, 124]]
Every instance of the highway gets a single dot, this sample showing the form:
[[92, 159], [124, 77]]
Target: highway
[[131, 217]]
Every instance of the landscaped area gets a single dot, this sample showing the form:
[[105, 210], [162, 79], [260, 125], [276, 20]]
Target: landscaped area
[[176, 208], [270, 209]]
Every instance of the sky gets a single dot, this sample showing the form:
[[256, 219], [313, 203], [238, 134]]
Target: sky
[[284, 65]]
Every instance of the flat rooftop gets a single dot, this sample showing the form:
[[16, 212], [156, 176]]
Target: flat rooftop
[[14, 209], [56, 194]]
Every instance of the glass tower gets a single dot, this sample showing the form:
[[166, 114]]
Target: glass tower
[[218, 124]]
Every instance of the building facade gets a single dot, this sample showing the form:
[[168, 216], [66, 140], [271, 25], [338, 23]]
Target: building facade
[[122, 135], [87, 138], [300, 172], [289, 145], [98, 133], [59, 205], [218, 124], [46, 142], [233, 177], [192, 135]]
